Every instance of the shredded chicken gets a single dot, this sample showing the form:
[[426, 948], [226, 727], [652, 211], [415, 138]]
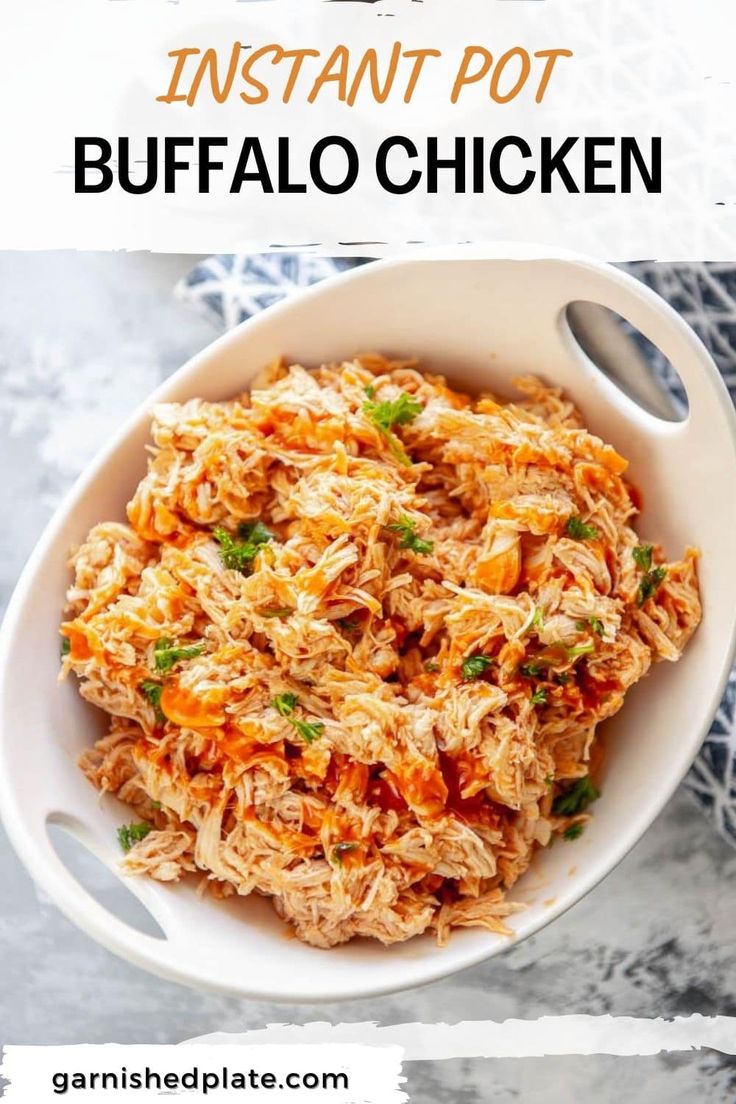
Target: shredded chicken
[[356, 640]]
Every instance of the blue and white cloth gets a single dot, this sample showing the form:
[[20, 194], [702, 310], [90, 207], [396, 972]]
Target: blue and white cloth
[[234, 287]]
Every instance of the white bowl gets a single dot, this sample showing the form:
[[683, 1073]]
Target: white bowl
[[481, 321]]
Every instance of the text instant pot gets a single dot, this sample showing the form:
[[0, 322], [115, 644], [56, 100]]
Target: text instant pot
[[399, 163]]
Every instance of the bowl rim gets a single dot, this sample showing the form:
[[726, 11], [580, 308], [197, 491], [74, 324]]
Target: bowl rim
[[427, 969]]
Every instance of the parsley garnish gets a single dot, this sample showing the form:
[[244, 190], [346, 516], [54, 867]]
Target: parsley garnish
[[562, 678], [539, 697], [580, 649], [308, 730], [578, 530], [474, 666], [166, 653], [153, 690], [386, 415], [652, 577], [340, 849], [573, 831], [282, 614], [238, 554], [370, 390], [650, 584], [405, 527], [577, 798], [538, 618], [347, 624], [128, 834], [285, 704], [643, 556], [65, 647], [531, 670], [431, 667], [549, 780]]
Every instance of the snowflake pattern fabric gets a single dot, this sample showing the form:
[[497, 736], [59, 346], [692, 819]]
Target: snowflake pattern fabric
[[236, 286]]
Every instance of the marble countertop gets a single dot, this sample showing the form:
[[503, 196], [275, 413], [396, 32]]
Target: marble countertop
[[83, 338]]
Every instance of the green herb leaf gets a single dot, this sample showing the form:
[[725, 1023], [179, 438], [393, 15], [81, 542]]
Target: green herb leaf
[[238, 554], [538, 618], [539, 697], [549, 780], [578, 530], [65, 647], [573, 831], [474, 666], [531, 670], [406, 528], [431, 667], [597, 625], [153, 690], [577, 798], [650, 584], [285, 704], [562, 678], [129, 834], [370, 390], [282, 614], [166, 653], [308, 730], [347, 624], [386, 415], [580, 649], [643, 556], [342, 848]]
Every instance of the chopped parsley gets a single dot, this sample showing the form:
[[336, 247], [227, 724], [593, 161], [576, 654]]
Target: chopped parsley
[[282, 613], [166, 653], [406, 528], [386, 415], [538, 618], [539, 697], [308, 730], [531, 670], [580, 649], [643, 556], [129, 834], [285, 704], [577, 798], [652, 577], [562, 678], [431, 667], [474, 666], [573, 831], [65, 647], [153, 691], [650, 584], [370, 390], [343, 848], [238, 554], [347, 624], [578, 530], [549, 780]]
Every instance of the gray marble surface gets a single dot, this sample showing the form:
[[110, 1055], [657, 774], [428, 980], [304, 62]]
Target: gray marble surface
[[83, 337]]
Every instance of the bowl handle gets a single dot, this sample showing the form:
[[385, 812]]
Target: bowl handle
[[662, 325]]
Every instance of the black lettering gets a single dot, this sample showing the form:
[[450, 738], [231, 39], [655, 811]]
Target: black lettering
[[651, 177], [251, 146], [206, 164], [555, 163], [494, 165], [82, 162], [435, 163], [315, 164], [388, 185], [593, 163], [285, 184], [171, 162]]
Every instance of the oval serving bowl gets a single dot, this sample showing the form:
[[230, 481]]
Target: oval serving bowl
[[481, 320]]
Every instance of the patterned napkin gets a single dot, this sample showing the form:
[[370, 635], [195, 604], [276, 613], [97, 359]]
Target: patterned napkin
[[236, 286]]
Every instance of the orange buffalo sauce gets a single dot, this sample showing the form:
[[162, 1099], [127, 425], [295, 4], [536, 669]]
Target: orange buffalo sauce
[[190, 710]]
